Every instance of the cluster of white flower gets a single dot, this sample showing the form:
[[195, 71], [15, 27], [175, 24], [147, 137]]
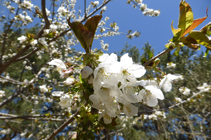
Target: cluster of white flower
[[43, 88], [24, 18], [143, 8], [22, 39], [67, 100], [104, 46], [204, 88], [155, 115], [184, 90], [2, 93], [62, 11], [5, 131], [171, 65], [11, 8], [95, 4], [24, 4], [61, 68], [116, 83]]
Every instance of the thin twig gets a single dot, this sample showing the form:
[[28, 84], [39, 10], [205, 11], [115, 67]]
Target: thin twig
[[6, 32], [9, 99], [185, 100], [29, 118], [72, 118], [84, 19], [157, 56], [84, 8], [27, 55]]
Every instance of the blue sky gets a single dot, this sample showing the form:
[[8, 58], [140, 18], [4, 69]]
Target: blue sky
[[155, 30]]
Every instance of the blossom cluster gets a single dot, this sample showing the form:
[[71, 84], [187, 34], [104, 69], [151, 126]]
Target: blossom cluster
[[115, 85]]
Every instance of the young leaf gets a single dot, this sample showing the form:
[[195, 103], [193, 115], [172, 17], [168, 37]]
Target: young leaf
[[92, 23], [207, 29], [82, 33], [206, 53], [185, 17], [201, 38], [190, 42], [85, 33], [196, 23], [174, 31]]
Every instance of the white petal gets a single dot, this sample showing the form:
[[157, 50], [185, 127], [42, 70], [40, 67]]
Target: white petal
[[57, 93], [107, 119], [126, 61], [129, 93], [95, 99], [137, 70], [156, 92], [103, 57], [112, 58], [130, 110], [141, 95], [152, 101], [58, 63]]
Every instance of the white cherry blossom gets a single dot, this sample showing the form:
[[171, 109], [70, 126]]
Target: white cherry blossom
[[61, 68], [65, 101], [166, 82], [43, 88]]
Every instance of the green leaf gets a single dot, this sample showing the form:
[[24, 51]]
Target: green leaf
[[207, 29], [190, 42], [186, 16], [201, 38], [206, 53], [143, 60], [174, 31], [176, 52], [196, 23], [176, 37]]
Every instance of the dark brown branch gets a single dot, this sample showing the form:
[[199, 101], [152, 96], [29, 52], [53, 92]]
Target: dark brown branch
[[9, 99], [27, 55], [47, 23]]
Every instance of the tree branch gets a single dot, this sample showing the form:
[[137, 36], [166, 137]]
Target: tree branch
[[185, 100], [84, 8], [72, 118], [30, 118], [27, 55], [9, 99], [47, 23], [84, 19], [157, 56]]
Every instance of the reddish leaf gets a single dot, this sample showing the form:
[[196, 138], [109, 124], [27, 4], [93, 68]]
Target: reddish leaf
[[85, 33], [185, 16], [196, 23]]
